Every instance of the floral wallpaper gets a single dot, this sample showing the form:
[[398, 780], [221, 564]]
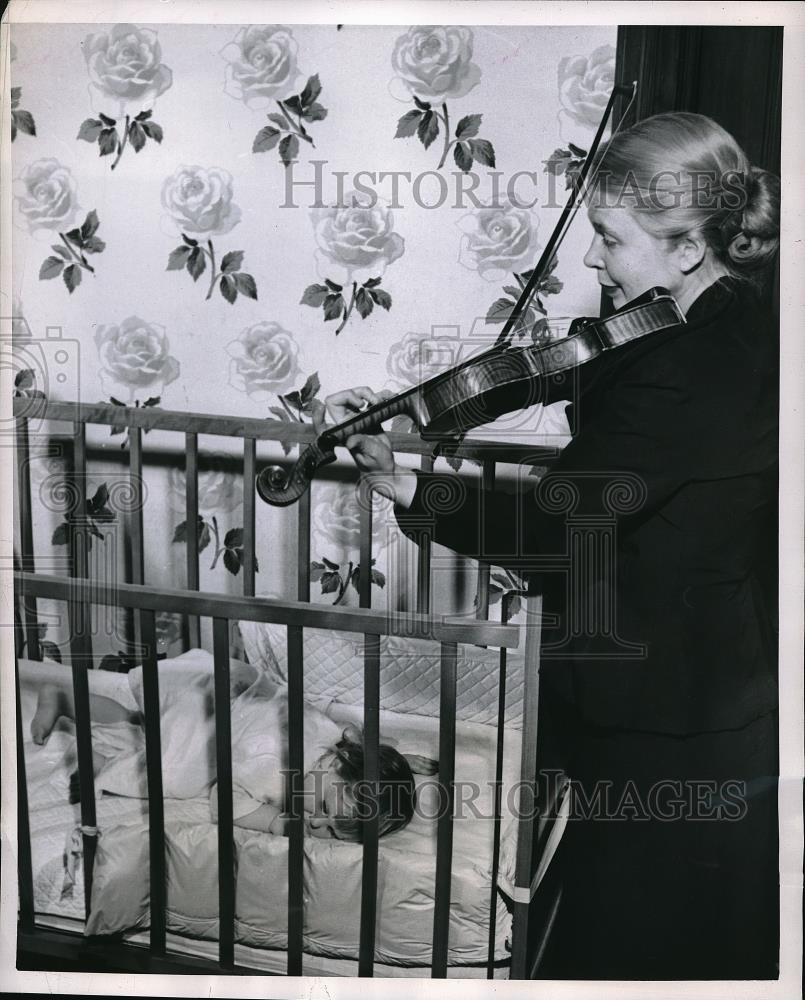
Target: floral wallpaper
[[240, 219]]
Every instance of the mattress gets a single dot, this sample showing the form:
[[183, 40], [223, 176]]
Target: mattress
[[332, 869]]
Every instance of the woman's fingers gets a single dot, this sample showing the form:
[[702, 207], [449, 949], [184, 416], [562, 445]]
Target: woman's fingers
[[344, 404], [371, 452]]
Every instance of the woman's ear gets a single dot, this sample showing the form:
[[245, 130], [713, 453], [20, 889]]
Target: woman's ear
[[690, 251]]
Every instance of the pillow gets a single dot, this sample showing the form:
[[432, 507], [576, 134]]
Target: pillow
[[409, 672]]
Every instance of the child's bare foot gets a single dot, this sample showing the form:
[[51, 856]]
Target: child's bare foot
[[50, 707]]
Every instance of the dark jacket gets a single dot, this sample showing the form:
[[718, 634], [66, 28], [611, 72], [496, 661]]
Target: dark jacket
[[648, 534]]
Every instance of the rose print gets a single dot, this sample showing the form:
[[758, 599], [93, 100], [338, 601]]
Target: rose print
[[46, 196], [136, 355], [21, 121], [286, 127], [434, 64], [219, 490], [46, 199], [261, 64], [200, 201], [418, 357], [585, 84], [498, 238], [125, 68], [125, 64], [296, 406], [264, 360], [336, 516], [354, 241]]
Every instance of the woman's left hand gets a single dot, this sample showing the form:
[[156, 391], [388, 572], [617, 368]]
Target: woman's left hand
[[372, 452]]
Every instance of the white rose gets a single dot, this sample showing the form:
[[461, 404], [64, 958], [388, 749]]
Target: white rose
[[498, 240], [45, 194], [264, 360], [199, 200], [355, 242], [262, 64], [435, 63], [337, 514], [418, 357], [125, 63], [220, 490], [135, 354], [585, 85]]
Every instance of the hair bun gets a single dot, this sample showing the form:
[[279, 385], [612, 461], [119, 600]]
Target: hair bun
[[759, 238]]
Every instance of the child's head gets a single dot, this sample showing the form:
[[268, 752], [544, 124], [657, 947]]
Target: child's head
[[343, 800]]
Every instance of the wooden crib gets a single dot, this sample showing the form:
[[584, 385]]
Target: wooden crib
[[37, 943]]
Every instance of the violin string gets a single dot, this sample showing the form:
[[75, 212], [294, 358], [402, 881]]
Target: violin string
[[574, 203]]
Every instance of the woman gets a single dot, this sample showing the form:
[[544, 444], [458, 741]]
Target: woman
[[667, 724]]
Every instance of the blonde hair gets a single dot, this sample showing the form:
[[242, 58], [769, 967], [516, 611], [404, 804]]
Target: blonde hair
[[681, 173]]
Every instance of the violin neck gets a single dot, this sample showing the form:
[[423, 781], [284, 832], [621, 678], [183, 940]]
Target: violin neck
[[368, 420]]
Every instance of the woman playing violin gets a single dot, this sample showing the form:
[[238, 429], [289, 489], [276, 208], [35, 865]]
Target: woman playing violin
[[666, 724]]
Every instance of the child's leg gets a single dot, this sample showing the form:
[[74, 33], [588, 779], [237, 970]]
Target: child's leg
[[56, 700]]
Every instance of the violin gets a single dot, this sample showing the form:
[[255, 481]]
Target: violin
[[497, 381]]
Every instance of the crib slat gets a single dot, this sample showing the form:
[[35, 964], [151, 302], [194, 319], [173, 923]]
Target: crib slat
[[223, 755], [136, 516], [26, 533], [303, 546], [153, 767], [528, 779], [25, 874], [365, 579], [296, 756], [136, 534], [249, 496], [371, 775], [191, 505], [86, 778], [423, 558], [444, 832], [482, 610], [80, 609], [493, 891], [79, 616]]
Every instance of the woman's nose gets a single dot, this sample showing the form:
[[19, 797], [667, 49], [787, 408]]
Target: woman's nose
[[593, 258]]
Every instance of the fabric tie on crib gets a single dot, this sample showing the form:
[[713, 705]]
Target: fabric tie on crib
[[73, 853]]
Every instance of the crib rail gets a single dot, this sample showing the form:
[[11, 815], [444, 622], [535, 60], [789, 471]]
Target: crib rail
[[143, 601]]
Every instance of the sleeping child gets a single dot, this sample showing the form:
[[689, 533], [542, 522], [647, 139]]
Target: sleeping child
[[333, 797]]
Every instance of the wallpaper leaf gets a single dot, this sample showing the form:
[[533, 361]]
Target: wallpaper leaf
[[126, 72], [21, 121], [354, 239], [201, 201], [434, 64]]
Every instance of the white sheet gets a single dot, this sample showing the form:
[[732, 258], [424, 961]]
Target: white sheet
[[332, 869]]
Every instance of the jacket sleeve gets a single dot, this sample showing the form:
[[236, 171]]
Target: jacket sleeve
[[644, 442]]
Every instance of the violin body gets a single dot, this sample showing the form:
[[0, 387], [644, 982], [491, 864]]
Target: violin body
[[481, 389]]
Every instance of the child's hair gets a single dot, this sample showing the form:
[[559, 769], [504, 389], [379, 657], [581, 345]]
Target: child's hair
[[396, 792], [681, 172]]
